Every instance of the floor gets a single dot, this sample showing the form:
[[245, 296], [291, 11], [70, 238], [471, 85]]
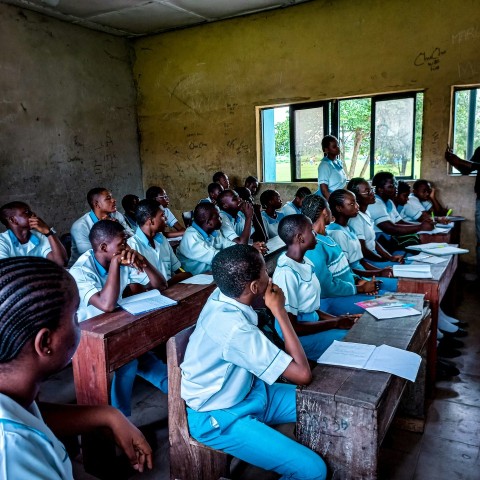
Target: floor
[[449, 449]]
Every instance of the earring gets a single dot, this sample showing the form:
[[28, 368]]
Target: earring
[[49, 352]]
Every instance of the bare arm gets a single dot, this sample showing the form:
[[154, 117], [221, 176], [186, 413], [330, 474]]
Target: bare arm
[[402, 228], [465, 167], [324, 190], [247, 209], [58, 253]]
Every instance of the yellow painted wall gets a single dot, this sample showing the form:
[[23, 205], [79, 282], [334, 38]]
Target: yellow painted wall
[[198, 87]]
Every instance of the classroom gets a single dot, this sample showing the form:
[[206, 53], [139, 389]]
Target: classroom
[[127, 110]]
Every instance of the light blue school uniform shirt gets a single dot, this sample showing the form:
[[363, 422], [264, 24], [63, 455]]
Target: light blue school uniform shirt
[[81, 229], [383, 212], [233, 227], [271, 223], [331, 173], [290, 209], [91, 277], [331, 268], [161, 256], [347, 240], [414, 208], [206, 200], [197, 249], [224, 355], [364, 229], [28, 448], [170, 218], [37, 245]]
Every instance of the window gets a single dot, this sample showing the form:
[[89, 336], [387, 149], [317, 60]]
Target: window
[[375, 133]]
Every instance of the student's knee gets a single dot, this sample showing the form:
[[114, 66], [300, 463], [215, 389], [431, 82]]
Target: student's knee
[[313, 467]]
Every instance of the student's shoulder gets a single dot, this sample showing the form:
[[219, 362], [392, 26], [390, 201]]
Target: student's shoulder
[[84, 263], [84, 220]]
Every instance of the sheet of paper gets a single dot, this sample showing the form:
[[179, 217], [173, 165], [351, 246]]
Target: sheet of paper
[[274, 244], [435, 231], [174, 239], [145, 302], [426, 246], [347, 354], [384, 313], [412, 271], [427, 258], [200, 279], [448, 250]]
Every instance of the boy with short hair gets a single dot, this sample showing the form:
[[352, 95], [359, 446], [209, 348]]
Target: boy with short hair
[[401, 197], [295, 275], [160, 195], [295, 206], [230, 367], [103, 207], [252, 184], [202, 240], [129, 204], [222, 179], [422, 203], [150, 242], [271, 214], [28, 235], [214, 190], [102, 274]]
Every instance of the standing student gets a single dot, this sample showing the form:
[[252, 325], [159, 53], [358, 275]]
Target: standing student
[[222, 179], [331, 175], [214, 190], [271, 214], [28, 235], [295, 206], [150, 242], [129, 204], [39, 335], [230, 369], [103, 207], [202, 240], [363, 226], [295, 274], [252, 184], [102, 274], [160, 195]]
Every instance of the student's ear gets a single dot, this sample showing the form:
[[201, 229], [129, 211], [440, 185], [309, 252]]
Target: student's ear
[[43, 342], [12, 220], [103, 247], [299, 238], [254, 288]]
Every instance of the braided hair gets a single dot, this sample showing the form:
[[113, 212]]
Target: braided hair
[[32, 296], [337, 199], [313, 206]]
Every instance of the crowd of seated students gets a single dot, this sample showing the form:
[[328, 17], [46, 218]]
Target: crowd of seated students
[[341, 243]]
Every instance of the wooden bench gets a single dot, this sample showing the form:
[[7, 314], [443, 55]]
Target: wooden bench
[[344, 413], [189, 459]]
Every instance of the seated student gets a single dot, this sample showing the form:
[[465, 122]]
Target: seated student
[[230, 369], [344, 206], [103, 207], [202, 240], [391, 230], [214, 190], [129, 204], [362, 225], [295, 275], [151, 244], [38, 301], [331, 175], [271, 203], [401, 197], [222, 179], [422, 204], [160, 195], [259, 231], [252, 184], [295, 206], [236, 217], [340, 288], [102, 274], [28, 235]]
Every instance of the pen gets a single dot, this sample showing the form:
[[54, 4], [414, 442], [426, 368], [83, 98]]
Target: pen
[[433, 216], [449, 212]]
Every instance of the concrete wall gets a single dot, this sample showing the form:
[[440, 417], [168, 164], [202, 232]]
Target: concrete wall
[[198, 88], [67, 115]]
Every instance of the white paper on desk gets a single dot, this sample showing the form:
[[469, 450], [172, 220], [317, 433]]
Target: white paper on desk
[[412, 271], [174, 239], [427, 258], [445, 226], [274, 244], [200, 279], [426, 246], [435, 231], [448, 250], [384, 313], [145, 302], [384, 358]]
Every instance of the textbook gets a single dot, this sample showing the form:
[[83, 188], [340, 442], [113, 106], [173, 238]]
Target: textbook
[[412, 271], [384, 358], [427, 258], [386, 307], [146, 302]]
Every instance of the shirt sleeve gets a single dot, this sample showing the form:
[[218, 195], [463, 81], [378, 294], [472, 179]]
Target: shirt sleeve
[[288, 282], [45, 247], [196, 249], [356, 224], [87, 282], [170, 219], [227, 229], [174, 261], [249, 348], [80, 232], [341, 240], [412, 210], [4, 248], [324, 172], [378, 212]]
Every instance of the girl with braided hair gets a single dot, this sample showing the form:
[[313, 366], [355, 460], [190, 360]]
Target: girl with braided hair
[[38, 336]]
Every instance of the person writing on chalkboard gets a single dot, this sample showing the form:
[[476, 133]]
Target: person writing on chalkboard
[[102, 274], [331, 175], [28, 235]]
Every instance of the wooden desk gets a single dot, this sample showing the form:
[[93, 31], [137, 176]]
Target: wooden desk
[[111, 340], [434, 290], [345, 413]]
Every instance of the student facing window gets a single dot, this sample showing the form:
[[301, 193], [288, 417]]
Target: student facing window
[[382, 132]]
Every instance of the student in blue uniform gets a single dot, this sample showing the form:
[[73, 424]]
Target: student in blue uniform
[[252, 184], [202, 240], [39, 335], [271, 214], [422, 203], [295, 274], [28, 235], [129, 204], [401, 197], [150, 242], [214, 190], [222, 179], [295, 206], [102, 274], [230, 369], [331, 175]]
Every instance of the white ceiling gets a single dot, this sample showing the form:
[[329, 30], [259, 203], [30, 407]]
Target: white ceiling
[[142, 17]]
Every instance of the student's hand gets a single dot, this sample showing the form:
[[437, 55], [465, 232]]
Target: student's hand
[[36, 223], [131, 440], [432, 193], [443, 220], [345, 322], [386, 272], [130, 258], [261, 247], [398, 258], [370, 287], [274, 297], [427, 225], [247, 209]]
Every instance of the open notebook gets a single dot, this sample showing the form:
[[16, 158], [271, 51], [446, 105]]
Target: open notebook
[[145, 302]]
